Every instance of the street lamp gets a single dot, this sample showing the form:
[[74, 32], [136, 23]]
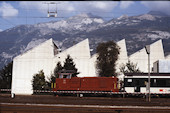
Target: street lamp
[[147, 48]]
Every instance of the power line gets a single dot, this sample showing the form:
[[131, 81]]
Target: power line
[[80, 11], [63, 16], [94, 11], [9, 22], [47, 17]]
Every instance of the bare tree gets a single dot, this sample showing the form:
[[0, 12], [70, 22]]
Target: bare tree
[[129, 67]]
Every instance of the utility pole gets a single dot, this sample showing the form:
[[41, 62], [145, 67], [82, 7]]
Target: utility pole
[[147, 48]]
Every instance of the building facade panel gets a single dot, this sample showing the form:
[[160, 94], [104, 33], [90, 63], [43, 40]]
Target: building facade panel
[[80, 53], [122, 57], [141, 57], [161, 66], [45, 57], [30, 63]]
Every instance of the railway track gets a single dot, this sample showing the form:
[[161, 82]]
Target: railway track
[[48, 108], [67, 104]]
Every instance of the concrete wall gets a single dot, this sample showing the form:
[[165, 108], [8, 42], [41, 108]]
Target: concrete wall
[[141, 57], [167, 57], [81, 57], [45, 57], [30, 63], [162, 66], [123, 57]]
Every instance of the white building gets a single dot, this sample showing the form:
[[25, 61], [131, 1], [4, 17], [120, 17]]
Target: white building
[[81, 56], [123, 57], [141, 57], [161, 66], [45, 57], [30, 63]]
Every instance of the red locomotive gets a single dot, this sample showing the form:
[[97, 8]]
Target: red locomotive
[[67, 83]]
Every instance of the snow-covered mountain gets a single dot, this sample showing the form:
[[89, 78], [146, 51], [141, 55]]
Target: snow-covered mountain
[[77, 23], [137, 30]]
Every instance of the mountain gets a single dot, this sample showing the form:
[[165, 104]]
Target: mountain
[[21, 38], [157, 13], [138, 31]]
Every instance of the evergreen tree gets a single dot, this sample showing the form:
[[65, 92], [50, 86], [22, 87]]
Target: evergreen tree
[[69, 65], [57, 69], [55, 75], [106, 60], [6, 76], [39, 82]]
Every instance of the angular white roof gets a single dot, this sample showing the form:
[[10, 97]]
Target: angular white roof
[[80, 50], [123, 57], [81, 57], [141, 58], [30, 63]]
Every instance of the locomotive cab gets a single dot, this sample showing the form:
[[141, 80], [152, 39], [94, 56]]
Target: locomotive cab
[[66, 73]]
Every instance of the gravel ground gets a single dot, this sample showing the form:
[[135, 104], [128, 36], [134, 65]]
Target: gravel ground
[[72, 100]]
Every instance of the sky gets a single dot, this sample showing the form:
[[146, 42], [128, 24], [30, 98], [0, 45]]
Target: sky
[[13, 13]]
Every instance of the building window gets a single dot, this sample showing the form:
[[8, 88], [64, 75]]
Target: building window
[[129, 80]]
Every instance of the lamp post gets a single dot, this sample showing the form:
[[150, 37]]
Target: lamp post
[[147, 48]]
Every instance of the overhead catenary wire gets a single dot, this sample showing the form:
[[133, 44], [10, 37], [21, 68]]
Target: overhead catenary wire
[[43, 17], [85, 11], [7, 21], [62, 17], [81, 11]]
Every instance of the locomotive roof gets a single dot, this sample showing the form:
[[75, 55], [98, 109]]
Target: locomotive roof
[[66, 71]]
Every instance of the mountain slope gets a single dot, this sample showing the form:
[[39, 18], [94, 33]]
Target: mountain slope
[[137, 30]]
